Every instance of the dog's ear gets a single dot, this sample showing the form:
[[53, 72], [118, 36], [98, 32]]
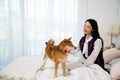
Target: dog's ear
[[69, 38], [46, 43], [65, 40]]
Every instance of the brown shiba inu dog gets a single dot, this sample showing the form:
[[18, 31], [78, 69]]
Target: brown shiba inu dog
[[58, 54]]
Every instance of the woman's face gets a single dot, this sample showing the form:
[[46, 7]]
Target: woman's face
[[87, 28]]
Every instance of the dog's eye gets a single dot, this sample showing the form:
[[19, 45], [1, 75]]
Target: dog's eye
[[68, 43]]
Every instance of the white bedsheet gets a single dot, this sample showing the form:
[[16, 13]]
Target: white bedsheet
[[93, 72], [24, 68]]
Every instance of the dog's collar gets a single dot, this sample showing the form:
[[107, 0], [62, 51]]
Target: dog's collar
[[66, 51]]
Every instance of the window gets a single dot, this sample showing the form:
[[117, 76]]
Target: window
[[25, 25]]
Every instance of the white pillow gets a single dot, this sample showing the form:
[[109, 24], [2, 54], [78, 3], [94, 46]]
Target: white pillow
[[112, 62], [111, 54], [115, 71]]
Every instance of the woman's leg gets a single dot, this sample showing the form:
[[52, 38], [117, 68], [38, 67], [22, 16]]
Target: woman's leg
[[74, 65]]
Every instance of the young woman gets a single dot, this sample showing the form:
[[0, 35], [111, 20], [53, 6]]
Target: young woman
[[90, 46]]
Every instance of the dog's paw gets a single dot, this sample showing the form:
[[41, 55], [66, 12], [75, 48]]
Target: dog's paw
[[64, 74], [42, 68], [55, 77]]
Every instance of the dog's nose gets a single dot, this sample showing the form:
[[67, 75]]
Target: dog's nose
[[74, 47]]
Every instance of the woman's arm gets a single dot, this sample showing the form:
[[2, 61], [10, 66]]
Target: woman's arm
[[97, 47], [78, 51]]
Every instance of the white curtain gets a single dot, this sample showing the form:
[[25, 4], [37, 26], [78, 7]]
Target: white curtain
[[25, 25], [118, 1]]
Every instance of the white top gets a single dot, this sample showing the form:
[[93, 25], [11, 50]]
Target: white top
[[85, 48], [90, 59]]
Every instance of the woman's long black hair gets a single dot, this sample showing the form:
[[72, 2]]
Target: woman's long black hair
[[95, 33]]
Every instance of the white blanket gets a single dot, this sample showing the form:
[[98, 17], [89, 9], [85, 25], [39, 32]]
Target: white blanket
[[93, 72], [24, 68]]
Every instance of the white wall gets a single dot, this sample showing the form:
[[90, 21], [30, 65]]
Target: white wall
[[106, 13]]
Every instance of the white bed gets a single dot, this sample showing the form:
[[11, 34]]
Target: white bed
[[24, 68], [94, 72]]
